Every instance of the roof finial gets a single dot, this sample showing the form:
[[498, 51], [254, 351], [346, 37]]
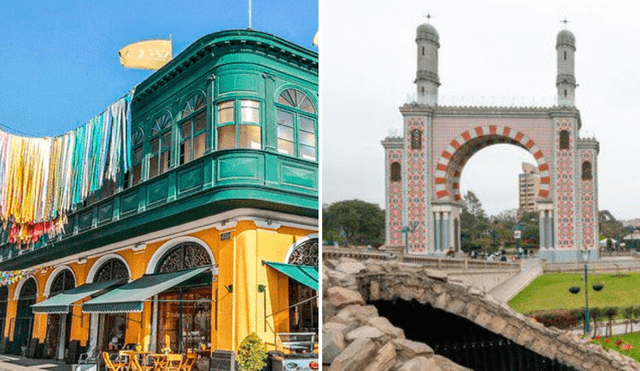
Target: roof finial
[[565, 22], [429, 16]]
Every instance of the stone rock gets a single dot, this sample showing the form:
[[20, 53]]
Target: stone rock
[[437, 275], [355, 356], [385, 326], [341, 297], [384, 360], [368, 332], [351, 268], [408, 349], [333, 342], [420, 364], [346, 260]]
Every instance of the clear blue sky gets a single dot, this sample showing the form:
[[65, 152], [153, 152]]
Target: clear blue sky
[[59, 63]]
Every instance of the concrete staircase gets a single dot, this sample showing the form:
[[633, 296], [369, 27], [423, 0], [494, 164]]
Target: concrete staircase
[[530, 269]]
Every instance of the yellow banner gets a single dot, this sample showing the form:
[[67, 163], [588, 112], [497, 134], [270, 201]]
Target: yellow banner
[[148, 55]]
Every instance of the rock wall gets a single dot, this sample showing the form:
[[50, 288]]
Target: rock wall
[[356, 338]]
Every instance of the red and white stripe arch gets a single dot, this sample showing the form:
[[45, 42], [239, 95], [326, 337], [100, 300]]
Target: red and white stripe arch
[[460, 150]]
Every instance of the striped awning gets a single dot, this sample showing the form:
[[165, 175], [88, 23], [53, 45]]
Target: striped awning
[[62, 303]]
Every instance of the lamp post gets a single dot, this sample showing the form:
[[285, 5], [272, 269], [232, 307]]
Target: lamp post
[[517, 234], [585, 257], [406, 229]]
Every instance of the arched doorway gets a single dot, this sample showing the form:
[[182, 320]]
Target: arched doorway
[[303, 317], [23, 324], [4, 299], [184, 312], [112, 328], [59, 325]]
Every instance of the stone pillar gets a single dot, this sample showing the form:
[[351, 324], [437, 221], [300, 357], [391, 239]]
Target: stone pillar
[[446, 226], [541, 226], [438, 228], [548, 232], [552, 235]]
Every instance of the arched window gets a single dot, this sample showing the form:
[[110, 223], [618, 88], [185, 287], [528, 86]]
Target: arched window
[[239, 124], [23, 327], [184, 256], [133, 177], [192, 128], [160, 141], [4, 299], [297, 124], [305, 253], [112, 269], [396, 174], [564, 139], [416, 139], [587, 174], [63, 281]]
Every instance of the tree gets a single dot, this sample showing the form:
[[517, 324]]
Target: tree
[[252, 353], [358, 222], [475, 231], [610, 227]]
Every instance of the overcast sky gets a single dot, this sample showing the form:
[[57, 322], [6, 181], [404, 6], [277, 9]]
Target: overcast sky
[[487, 49]]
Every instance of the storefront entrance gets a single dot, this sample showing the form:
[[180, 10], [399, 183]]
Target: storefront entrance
[[111, 328], [23, 323], [59, 325]]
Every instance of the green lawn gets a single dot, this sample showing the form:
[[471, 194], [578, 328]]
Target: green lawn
[[551, 291], [632, 339]]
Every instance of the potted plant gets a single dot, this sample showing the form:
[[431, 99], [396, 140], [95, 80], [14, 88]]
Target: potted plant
[[574, 289], [252, 353], [598, 286]]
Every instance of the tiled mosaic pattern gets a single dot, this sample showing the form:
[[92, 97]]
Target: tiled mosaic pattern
[[394, 203], [416, 185], [588, 202], [565, 186]]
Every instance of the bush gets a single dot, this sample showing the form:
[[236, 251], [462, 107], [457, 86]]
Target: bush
[[252, 353], [560, 318]]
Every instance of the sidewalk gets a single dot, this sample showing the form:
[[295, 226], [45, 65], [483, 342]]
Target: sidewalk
[[17, 363], [530, 269]]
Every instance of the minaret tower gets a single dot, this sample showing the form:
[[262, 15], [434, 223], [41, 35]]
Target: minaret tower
[[566, 80], [427, 80]]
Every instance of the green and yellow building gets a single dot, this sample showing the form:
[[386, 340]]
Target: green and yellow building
[[196, 246]]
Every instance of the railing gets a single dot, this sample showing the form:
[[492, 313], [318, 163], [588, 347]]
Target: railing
[[428, 261], [630, 265]]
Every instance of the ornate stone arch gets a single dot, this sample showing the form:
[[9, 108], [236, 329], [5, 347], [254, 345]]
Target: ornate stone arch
[[96, 266], [52, 277], [455, 155], [19, 286], [304, 251], [167, 246]]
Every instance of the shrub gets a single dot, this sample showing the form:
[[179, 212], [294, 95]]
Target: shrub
[[559, 318], [252, 353]]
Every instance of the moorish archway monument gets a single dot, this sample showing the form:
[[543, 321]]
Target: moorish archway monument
[[424, 166]]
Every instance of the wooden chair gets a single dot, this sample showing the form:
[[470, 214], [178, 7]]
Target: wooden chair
[[112, 366], [189, 361], [173, 362]]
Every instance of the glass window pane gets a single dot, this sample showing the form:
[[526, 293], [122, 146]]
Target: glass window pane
[[307, 125], [166, 159], [185, 130], [227, 137], [153, 166], [154, 145], [225, 112], [285, 132], [137, 173], [285, 146], [250, 111], [166, 141], [285, 118], [201, 121], [307, 138], [250, 137], [308, 153], [137, 155], [198, 146], [185, 152]]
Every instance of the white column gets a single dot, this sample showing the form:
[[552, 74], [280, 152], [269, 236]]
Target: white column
[[548, 231], [62, 336], [541, 226], [551, 231], [446, 226], [93, 334], [437, 245]]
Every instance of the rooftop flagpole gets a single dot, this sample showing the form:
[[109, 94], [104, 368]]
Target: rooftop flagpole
[[249, 14]]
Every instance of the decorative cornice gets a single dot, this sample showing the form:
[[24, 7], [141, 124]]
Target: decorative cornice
[[428, 37], [427, 75], [566, 79]]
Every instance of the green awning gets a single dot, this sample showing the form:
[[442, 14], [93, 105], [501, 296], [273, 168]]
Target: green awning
[[62, 303], [304, 274], [130, 297]]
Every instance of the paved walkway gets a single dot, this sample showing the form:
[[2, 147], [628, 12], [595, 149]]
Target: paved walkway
[[17, 363], [530, 269], [617, 328]]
